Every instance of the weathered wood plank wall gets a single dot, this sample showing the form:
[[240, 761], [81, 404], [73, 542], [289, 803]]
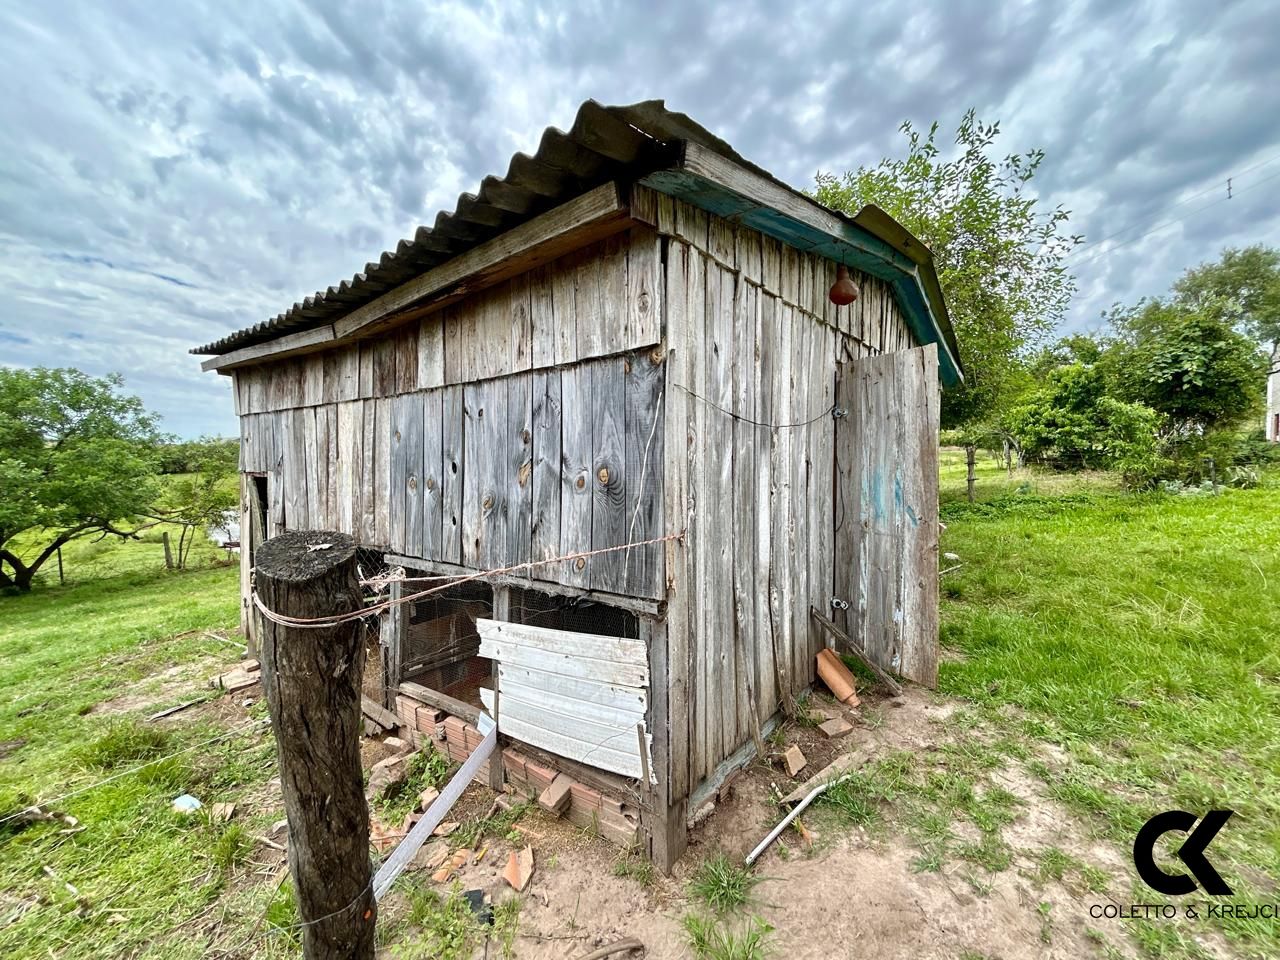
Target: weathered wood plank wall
[[752, 347], [887, 565], [521, 424], [676, 377]]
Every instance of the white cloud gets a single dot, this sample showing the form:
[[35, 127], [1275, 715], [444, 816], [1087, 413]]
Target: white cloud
[[171, 173]]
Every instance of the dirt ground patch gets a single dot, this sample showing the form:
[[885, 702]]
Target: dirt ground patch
[[856, 892]]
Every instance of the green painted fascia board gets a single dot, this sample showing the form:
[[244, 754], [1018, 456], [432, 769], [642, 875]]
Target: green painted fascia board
[[850, 245]]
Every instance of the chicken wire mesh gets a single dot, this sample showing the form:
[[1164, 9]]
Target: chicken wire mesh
[[439, 641]]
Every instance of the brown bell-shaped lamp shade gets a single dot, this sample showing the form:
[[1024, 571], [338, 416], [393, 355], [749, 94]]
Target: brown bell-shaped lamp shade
[[844, 291]]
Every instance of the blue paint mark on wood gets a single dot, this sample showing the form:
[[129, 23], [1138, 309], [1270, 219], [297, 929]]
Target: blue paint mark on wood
[[878, 506]]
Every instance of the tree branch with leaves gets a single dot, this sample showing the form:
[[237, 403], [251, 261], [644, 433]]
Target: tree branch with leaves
[[999, 254]]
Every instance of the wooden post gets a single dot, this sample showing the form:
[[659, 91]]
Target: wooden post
[[501, 611], [969, 455], [312, 682], [391, 637], [662, 815], [1213, 475]]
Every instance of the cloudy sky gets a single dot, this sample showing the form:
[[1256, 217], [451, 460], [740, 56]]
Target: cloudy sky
[[170, 172]]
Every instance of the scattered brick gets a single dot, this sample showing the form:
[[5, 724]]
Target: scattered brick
[[556, 797], [835, 728], [794, 759]]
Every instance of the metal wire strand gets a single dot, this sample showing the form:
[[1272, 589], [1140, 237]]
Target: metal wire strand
[[320, 623]]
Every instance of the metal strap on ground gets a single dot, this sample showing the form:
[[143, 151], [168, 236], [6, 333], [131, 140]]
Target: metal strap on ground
[[413, 842]]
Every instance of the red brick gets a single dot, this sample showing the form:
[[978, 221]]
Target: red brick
[[556, 797], [540, 774], [407, 710], [586, 796], [428, 718]]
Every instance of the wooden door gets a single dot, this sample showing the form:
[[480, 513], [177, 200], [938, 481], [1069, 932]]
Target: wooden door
[[886, 509]]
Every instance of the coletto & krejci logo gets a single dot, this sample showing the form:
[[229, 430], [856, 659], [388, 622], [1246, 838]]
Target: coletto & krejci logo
[[1191, 853]]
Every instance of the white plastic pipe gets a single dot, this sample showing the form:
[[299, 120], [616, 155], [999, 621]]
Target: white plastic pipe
[[813, 795]]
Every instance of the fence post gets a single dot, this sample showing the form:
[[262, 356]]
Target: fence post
[[391, 642], [312, 679], [969, 453]]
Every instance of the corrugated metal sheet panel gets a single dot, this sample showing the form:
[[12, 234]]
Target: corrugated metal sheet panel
[[605, 143]]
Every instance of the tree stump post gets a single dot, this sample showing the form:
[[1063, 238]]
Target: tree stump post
[[312, 679]]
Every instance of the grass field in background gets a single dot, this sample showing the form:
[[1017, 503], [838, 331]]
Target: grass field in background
[[1133, 634], [141, 868], [1139, 634], [94, 558]]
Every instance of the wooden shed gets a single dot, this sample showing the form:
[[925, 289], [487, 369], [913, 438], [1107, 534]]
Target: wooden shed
[[614, 383]]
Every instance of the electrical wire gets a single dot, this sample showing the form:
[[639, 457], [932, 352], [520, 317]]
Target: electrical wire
[[1101, 251], [756, 423]]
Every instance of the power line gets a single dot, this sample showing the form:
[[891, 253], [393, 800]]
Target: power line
[[1167, 223], [1185, 200]]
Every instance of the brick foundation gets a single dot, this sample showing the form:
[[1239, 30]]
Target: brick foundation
[[588, 807]]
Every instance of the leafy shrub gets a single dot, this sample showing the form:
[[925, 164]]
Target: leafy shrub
[[1072, 422]]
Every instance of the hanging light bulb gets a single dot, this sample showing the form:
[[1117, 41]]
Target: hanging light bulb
[[844, 291]]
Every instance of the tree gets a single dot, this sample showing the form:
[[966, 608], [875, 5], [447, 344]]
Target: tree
[[76, 458], [1243, 286], [1189, 364], [1000, 258], [186, 456], [200, 497], [1072, 421]]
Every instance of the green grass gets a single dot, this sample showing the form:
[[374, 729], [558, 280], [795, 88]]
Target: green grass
[[1137, 634], [143, 869], [722, 884], [426, 768], [442, 927], [632, 864], [712, 939], [506, 924]]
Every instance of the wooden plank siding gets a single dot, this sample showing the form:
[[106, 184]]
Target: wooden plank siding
[[890, 438], [676, 378], [600, 300], [753, 344]]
